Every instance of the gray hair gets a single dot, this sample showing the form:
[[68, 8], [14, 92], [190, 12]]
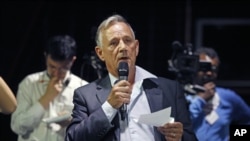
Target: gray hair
[[107, 23]]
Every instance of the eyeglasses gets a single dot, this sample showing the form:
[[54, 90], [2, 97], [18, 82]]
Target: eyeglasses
[[207, 66], [60, 69]]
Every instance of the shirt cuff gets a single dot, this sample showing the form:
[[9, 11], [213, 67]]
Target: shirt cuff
[[109, 111]]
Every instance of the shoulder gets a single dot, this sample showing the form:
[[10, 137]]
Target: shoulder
[[228, 94], [167, 80], [31, 80], [33, 77], [164, 81], [225, 91], [89, 86], [77, 79]]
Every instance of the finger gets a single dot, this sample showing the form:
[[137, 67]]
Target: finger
[[122, 83], [126, 100], [173, 137], [170, 125], [122, 89], [175, 127], [125, 90], [54, 79], [160, 129], [123, 97]]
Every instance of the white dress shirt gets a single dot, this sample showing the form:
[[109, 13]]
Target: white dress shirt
[[26, 121]]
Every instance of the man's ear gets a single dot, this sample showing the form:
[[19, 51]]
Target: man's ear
[[137, 47], [99, 53]]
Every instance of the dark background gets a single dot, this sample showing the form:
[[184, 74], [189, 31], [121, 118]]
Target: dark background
[[26, 25]]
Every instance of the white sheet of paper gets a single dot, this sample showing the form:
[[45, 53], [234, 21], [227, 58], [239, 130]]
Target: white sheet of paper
[[57, 119], [158, 118]]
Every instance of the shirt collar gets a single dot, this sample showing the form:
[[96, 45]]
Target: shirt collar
[[140, 74]]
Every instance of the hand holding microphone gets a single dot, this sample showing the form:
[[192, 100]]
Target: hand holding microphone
[[123, 75], [121, 91]]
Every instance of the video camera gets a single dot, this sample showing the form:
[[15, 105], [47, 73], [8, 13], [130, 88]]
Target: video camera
[[185, 64]]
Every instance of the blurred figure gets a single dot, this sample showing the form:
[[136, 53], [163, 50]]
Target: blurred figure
[[213, 110], [45, 95], [99, 113], [7, 98]]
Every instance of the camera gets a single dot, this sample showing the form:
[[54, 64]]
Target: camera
[[207, 66], [185, 64]]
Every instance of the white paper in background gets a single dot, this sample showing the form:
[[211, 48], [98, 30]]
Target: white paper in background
[[158, 118], [57, 119]]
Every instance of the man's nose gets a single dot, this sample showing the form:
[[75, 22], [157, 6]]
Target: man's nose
[[123, 48], [209, 73], [58, 71], [122, 45]]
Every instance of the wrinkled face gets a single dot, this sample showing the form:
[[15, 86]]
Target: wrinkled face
[[118, 44], [206, 76], [58, 69]]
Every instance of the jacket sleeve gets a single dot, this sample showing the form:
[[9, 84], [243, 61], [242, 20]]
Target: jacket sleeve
[[28, 115], [89, 121]]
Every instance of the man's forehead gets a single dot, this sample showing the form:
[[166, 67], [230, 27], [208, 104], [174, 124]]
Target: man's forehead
[[118, 28], [57, 63], [206, 58]]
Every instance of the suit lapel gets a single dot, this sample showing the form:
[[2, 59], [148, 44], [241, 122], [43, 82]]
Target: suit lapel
[[103, 89], [156, 100], [154, 94]]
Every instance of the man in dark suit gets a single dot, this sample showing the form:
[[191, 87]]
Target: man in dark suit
[[97, 114]]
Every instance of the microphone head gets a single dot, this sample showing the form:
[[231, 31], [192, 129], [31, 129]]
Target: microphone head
[[66, 83], [123, 69]]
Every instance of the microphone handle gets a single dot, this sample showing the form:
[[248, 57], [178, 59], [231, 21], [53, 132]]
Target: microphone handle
[[123, 111], [123, 108], [123, 78]]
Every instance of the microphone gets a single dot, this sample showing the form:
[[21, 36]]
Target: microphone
[[66, 82], [123, 75]]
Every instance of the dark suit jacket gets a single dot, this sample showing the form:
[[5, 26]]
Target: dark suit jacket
[[90, 123]]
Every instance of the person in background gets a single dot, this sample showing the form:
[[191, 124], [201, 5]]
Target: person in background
[[48, 94], [97, 114], [7, 98], [216, 108]]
